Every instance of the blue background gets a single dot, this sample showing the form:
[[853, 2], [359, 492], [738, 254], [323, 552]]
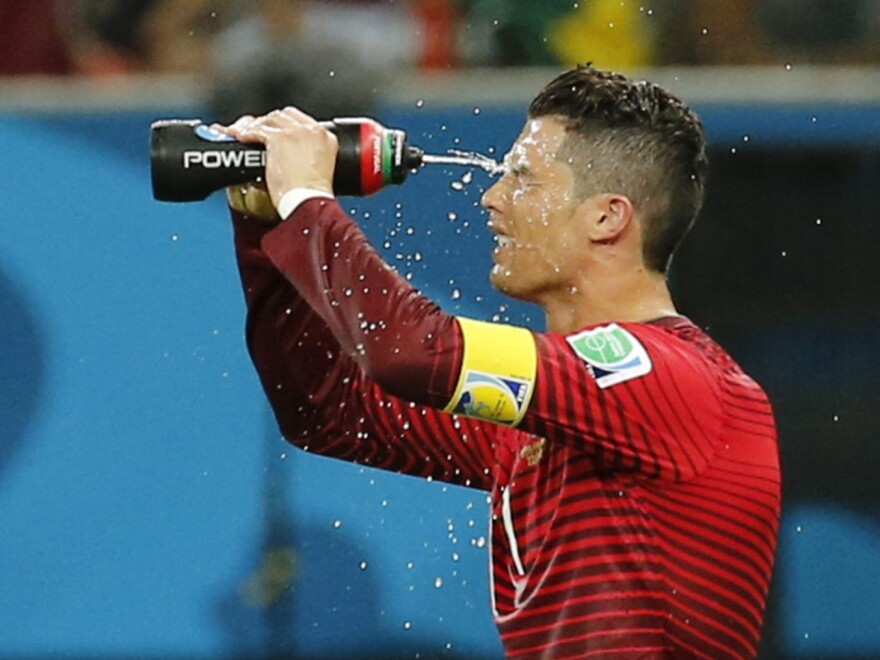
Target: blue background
[[144, 487]]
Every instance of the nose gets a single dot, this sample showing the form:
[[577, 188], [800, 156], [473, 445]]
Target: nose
[[493, 198]]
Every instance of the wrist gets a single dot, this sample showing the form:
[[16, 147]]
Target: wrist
[[289, 201]]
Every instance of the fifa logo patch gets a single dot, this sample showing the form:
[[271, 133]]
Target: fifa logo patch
[[612, 354], [492, 398]]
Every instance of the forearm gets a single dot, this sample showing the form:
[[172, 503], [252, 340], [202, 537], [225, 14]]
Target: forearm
[[400, 338], [293, 350], [325, 402]]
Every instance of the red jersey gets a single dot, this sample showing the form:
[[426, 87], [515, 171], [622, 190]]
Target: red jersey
[[635, 505]]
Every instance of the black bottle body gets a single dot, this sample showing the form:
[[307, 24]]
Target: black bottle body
[[189, 160]]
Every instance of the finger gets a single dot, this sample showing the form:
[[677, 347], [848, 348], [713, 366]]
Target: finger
[[297, 114], [279, 119], [255, 131], [241, 121], [222, 129], [239, 126], [287, 120]]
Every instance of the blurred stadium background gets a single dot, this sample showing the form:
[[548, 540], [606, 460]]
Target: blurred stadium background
[[147, 505]]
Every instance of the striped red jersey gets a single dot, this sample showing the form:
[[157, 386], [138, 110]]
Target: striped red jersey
[[635, 506]]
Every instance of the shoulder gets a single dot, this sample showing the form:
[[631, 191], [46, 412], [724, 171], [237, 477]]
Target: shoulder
[[667, 352]]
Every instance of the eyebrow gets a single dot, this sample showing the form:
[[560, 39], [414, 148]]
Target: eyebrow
[[520, 167]]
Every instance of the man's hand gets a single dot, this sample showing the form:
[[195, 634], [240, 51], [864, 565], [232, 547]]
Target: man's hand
[[300, 153]]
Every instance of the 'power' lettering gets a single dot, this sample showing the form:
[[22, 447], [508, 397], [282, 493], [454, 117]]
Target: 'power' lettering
[[217, 159]]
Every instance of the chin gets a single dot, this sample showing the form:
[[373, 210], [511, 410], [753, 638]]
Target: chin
[[504, 282]]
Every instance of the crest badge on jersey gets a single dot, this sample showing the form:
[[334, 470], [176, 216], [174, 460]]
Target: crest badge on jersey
[[533, 452], [613, 354], [493, 398]]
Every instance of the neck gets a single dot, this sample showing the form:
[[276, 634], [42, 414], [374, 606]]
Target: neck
[[633, 296]]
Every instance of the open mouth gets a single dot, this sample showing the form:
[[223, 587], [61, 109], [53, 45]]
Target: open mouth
[[502, 242]]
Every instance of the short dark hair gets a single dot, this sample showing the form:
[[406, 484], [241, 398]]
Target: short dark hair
[[637, 139]]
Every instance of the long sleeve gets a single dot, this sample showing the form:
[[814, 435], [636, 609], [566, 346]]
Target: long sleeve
[[402, 339], [322, 399]]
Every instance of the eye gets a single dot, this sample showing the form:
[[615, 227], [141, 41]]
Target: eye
[[524, 178]]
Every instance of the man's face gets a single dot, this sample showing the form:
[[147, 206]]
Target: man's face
[[532, 212]]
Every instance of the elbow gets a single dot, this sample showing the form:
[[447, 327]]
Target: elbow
[[396, 370], [400, 367], [411, 359]]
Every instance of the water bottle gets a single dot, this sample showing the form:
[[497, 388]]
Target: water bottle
[[189, 160]]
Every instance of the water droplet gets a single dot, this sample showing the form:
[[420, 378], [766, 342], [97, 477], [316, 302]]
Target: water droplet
[[455, 556], [363, 565], [175, 237], [407, 625], [800, 529], [477, 111], [457, 186], [704, 31], [480, 542], [456, 294], [745, 138], [784, 253], [836, 418], [337, 524], [787, 67], [452, 216], [438, 582]]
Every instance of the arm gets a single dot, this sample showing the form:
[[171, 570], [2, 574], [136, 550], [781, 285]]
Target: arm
[[322, 399]]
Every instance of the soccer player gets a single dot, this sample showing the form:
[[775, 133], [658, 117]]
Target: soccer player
[[632, 465]]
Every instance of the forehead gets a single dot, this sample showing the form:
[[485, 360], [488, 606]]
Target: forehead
[[539, 141]]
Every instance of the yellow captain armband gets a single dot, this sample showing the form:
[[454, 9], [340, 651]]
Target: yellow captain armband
[[498, 372]]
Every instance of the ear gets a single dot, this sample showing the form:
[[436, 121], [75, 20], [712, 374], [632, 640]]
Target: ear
[[607, 217]]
